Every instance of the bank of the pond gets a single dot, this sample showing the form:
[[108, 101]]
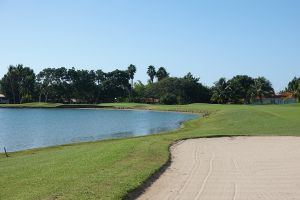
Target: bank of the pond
[[111, 169]]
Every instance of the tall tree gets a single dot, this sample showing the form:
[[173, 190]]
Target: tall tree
[[240, 89], [194, 91], [151, 73], [294, 87], [45, 81], [83, 84], [53, 83], [262, 88], [100, 78], [18, 84], [185, 90], [220, 91], [189, 76], [161, 73], [140, 90], [131, 72], [116, 85]]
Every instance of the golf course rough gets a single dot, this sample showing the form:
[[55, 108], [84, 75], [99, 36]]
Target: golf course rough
[[111, 169]]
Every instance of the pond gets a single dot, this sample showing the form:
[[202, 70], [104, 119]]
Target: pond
[[22, 129]]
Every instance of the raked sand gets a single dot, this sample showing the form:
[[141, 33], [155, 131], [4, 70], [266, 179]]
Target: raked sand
[[250, 168]]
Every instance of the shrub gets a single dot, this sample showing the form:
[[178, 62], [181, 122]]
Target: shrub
[[168, 99]]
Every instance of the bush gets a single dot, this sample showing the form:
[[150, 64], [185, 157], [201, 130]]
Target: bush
[[168, 99], [187, 90]]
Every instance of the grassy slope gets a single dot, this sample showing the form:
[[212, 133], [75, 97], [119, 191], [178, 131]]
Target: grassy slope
[[31, 105], [109, 169]]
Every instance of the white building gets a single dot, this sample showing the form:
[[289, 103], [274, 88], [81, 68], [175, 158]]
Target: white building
[[282, 98]]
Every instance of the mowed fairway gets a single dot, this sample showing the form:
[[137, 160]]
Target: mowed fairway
[[110, 169]]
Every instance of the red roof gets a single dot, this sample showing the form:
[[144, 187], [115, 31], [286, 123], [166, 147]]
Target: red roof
[[284, 95]]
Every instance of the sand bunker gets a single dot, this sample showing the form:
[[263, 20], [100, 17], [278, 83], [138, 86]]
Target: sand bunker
[[235, 168]]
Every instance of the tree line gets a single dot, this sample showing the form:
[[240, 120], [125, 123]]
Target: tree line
[[21, 85], [241, 89]]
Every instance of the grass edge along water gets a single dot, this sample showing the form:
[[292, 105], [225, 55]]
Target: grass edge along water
[[110, 169]]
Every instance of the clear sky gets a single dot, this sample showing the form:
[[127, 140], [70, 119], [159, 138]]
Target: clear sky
[[211, 38]]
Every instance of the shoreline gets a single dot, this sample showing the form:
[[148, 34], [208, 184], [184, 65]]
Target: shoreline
[[96, 107]]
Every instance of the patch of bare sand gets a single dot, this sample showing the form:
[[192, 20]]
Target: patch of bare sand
[[252, 168]]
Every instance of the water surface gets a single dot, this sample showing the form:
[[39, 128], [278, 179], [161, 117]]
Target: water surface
[[22, 129]]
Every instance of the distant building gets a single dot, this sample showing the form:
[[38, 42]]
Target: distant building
[[3, 99], [150, 100], [282, 98]]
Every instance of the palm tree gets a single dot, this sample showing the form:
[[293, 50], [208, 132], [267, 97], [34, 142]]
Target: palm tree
[[262, 88], [220, 91], [151, 73], [131, 71], [294, 88], [297, 94], [161, 73]]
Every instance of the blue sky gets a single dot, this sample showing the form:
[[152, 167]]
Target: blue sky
[[211, 39]]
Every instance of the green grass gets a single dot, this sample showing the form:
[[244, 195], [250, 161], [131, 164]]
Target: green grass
[[109, 169], [31, 105]]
